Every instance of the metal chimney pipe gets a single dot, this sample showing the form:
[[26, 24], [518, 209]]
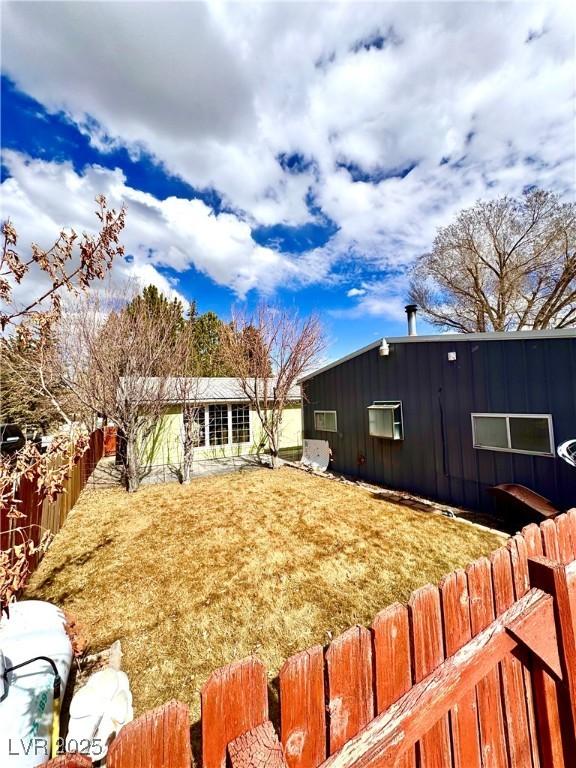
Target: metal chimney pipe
[[411, 310]]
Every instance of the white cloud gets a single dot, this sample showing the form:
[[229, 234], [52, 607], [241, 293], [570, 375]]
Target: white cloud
[[42, 197], [380, 298], [215, 92], [356, 292]]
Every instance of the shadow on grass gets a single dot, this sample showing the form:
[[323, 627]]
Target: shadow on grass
[[73, 561], [487, 520]]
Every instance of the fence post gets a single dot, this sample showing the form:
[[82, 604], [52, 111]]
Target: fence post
[[552, 577], [257, 748], [546, 689]]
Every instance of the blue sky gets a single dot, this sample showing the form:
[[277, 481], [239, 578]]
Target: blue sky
[[301, 153]]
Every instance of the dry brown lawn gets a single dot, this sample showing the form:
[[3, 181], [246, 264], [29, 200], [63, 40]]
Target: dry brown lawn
[[265, 562]]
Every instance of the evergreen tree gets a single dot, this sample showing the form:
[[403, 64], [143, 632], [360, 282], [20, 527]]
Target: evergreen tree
[[157, 304], [206, 335], [204, 330]]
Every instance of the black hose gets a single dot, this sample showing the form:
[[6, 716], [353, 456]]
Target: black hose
[[57, 678]]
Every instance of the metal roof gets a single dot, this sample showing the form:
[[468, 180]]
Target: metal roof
[[211, 389], [552, 333]]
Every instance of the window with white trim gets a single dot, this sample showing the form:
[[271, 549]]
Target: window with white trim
[[240, 424], [514, 432], [325, 421], [385, 419], [218, 424]]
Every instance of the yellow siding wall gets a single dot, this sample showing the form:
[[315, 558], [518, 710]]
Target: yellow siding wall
[[165, 446]]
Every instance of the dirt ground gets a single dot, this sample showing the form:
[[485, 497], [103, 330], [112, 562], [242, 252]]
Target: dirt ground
[[189, 578]]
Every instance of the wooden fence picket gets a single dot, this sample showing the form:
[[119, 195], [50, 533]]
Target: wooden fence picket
[[571, 515], [302, 709], [544, 687], [533, 539], [233, 700], [565, 542], [428, 654], [392, 663], [457, 632], [550, 544], [513, 688], [516, 545], [350, 691], [519, 561], [490, 715], [158, 739], [72, 760]]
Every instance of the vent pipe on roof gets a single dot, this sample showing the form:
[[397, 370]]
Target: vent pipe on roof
[[411, 310]]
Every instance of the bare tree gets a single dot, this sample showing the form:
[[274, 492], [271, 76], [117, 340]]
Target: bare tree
[[507, 264], [185, 388], [30, 323], [118, 363], [268, 352], [61, 265]]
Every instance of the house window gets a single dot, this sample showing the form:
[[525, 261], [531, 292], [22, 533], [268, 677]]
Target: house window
[[240, 424], [325, 421], [385, 419], [218, 424], [519, 433], [194, 425]]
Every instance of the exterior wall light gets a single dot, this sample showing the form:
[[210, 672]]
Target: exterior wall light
[[384, 349]]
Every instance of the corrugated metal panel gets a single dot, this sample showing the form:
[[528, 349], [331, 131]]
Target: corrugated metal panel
[[208, 389], [528, 374]]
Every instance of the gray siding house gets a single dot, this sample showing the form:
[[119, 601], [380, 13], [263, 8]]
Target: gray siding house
[[449, 416]]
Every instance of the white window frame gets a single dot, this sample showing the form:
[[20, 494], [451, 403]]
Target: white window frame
[[206, 426], [247, 405], [509, 449], [206, 408], [317, 429]]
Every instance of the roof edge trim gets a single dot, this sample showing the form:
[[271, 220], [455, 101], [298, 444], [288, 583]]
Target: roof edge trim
[[552, 333]]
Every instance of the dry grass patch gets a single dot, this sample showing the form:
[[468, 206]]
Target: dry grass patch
[[191, 578]]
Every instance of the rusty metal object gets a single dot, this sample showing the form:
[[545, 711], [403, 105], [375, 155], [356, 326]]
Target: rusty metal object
[[523, 500]]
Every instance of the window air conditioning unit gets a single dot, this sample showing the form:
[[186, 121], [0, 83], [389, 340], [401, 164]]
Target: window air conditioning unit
[[385, 419]]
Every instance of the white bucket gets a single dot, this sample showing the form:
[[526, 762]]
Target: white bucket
[[34, 629]]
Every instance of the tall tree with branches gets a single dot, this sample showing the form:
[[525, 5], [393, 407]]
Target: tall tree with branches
[[502, 265], [69, 266], [119, 363], [267, 352]]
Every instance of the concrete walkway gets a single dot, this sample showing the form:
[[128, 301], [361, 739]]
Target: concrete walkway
[[108, 475]]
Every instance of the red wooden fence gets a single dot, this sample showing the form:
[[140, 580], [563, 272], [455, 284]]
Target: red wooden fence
[[50, 515], [478, 672]]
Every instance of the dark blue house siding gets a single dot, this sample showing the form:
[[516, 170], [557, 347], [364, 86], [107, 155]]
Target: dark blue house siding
[[436, 458]]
